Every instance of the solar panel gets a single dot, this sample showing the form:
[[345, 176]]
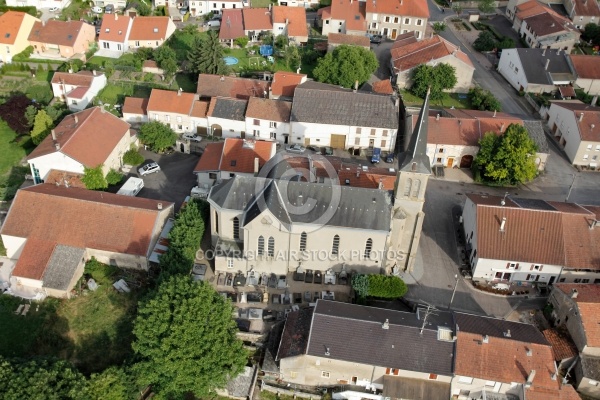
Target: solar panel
[[533, 204]]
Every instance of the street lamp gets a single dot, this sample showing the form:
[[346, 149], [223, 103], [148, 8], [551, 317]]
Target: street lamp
[[453, 291]]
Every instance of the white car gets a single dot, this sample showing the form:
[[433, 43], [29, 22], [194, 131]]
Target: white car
[[295, 148], [149, 168], [192, 137], [53, 9], [97, 10]]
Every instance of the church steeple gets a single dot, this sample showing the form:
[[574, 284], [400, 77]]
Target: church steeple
[[415, 158]]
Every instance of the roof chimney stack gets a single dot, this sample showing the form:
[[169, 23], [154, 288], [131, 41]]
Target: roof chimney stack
[[547, 63], [179, 92], [76, 119], [57, 146], [530, 378], [53, 132], [159, 206], [580, 117], [94, 72], [574, 293], [486, 339], [544, 52], [386, 324], [355, 86], [494, 113], [503, 224], [507, 333], [558, 51], [437, 117], [502, 128], [256, 165]]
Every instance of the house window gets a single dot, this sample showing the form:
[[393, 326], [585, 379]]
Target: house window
[[585, 281], [105, 45], [137, 43], [407, 187], [585, 156], [256, 122], [167, 118], [395, 20], [326, 22], [261, 245], [156, 117], [272, 124], [440, 150], [357, 141], [74, 102], [387, 19], [578, 280], [358, 130], [598, 147], [271, 248], [383, 143], [416, 188], [212, 175], [368, 248], [180, 127], [216, 223], [273, 135], [589, 146], [374, 25], [407, 21], [562, 279], [229, 263], [419, 22], [236, 228], [303, 241], [384, 133], [516, 70], [325, 374], [373, 132], [256, 133], [178, 119], [335, 247]]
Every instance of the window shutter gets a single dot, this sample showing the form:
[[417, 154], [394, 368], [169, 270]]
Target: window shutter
[[541, 267], [387, 371], [507, 265], [531, 268]]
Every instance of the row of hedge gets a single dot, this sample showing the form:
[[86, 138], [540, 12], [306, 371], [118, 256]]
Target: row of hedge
[[29, 10]]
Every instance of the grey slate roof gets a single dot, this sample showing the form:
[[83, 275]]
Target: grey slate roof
[[498, 327], [354, 333], [590, 366], [61, 266], [536, 133], [295, 333], [233, 109], [534, 64], [398, 387], [241, 384], [415, 157], [328, 204], [320, 103]]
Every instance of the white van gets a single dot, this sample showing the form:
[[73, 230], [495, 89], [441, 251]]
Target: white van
[[214, 23], [132, 187]]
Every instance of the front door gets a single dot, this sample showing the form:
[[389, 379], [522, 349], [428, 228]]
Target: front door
[[394, 32], [385, 31], [552, 279], [286, 139], [371, 143], [450, 162]]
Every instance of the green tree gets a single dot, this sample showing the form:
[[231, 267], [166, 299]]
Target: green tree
[[166, 58], [281, 41], [439, 27], [292, 57], [113, 383], [157, 135], [241, 41], [439, 78], [346, 65], [132, 157], [185, 339], [40, 379], [506, 43], [591, 32], [386, 287], [41, 127], [509, 158], [457, 8], [93, 178], [487, 6], [30, 113], [206, 55], [114, 177], [485, 41], [483, 99], [268, 39], [360, 284]]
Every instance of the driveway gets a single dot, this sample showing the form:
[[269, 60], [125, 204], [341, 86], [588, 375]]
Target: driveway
[[175, 180]]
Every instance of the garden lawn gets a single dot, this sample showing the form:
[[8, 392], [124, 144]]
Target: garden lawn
[[449, 100], [260, 3], [10, 152]]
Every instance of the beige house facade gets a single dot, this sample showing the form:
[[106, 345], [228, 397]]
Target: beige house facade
[[15, 31]]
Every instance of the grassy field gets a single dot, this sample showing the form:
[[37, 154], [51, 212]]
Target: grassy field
[[10, 152], [456, 100], [92, 330]]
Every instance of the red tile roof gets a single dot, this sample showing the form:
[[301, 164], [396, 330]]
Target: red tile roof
[[270, 110], [48, 215], [200, 109], [589, 126], [232, 24], [114, 28], [78, 93], [505, 360], [233, 87], [567, 91], [135, 105], [353, 40], [59, 177], [149, 28], [81, 78], [586, 8], [414, 54], [284, 83], [236, 155], [63, 33], [383, 87], [562, 345], [295, 17], [257, 19], [586, 67], [350, 11], [405, 8], [324, 13], [173, 101], [404, 39], [10, 24], [80, 138]]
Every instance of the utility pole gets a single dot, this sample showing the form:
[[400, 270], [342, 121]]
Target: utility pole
[[453, 291], [571, 187]]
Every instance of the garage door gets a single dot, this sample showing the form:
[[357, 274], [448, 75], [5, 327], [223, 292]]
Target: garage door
[[338, 141]]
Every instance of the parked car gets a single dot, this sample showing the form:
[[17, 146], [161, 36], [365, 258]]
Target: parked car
[[97, 10], [149, 168], [327, 150], [389, 158], [295, 148], [109, 9], [312, 147], [376, 155], [214, 23], [376, 39], [97, 31], [192, 137], [183, 10], [53, 9]]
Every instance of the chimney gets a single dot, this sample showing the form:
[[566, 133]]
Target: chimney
[[580, 117], [355, 86], [380, 186], [529, 352], [94, 72], [592, 126], [57, 146], [76, 119], [102, 108], [43, 23], [502, 128], [159, 206], [544, 52], [269, 6], [507, 333], [547, 63], [386, 324], [558, 51], [53, 132], [287, 21], [116, 16], [256, 165], [437, 117], [494, 113], [530, 378], [503, 224], [179, 92], [486, 339], [574, 293], [327, 353]]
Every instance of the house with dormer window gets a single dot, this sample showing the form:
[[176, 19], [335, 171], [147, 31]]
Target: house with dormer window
[[150, 32], [114, 32]]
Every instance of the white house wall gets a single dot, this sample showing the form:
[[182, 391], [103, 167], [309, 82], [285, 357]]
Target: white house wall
[[55, 160], [178, 122], [451, 154], [14, 246], [460, 383], [563, 123], [264, 131], [486, 269], [590, 86], [135, 118], [114, 159], [574, 276], [230, 128], [511, 69]]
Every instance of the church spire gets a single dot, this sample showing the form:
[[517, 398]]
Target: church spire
[[415, 158]]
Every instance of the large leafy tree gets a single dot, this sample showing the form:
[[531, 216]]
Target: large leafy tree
[[113, 383], [40, 379], [186, 340], [487, 6], [346, 65], [93, 178], [509, 158], [42, 124], [206, 55], [483, 99], [292, 57], [439, 78], [485, 41], [157, 135], [166, 58], [591, 32]]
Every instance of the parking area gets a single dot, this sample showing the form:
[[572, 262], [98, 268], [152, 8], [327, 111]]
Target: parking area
[[504, 27]]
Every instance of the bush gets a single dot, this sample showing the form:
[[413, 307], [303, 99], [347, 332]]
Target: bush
[[24, 55], [380, 286], [467, 27], [29, 10], [132, 157], [242, 41], [40, 93], [114, 177]]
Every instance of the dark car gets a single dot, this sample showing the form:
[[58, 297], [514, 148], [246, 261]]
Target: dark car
[[183, 10], [109, 9], [376, 39], [312, 147], [327, 150], [389, 158]]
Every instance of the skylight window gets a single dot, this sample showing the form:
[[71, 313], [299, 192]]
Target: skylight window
[[7, 35], [155, 30]]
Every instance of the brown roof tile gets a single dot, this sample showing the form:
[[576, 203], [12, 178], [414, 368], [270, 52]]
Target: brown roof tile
[[10, 24], [211, 157], [48, 215], [296, 17], [586, 67], [226, 86], [548, 24], [567, 91], [235, 155], [353, 40], [174, 101], [284, 83], [417, 53], [63, 33], [562, 345], [114, 28], [232, 24], [81, 78], [353, 12], [270, 110], [582, 244], [200, 109], [404, 39], [135, 105], [58, 177], [149, 28], [586, 8], [82, 140], [383, 87], [413, 8], [504, 360], [258, 19]]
